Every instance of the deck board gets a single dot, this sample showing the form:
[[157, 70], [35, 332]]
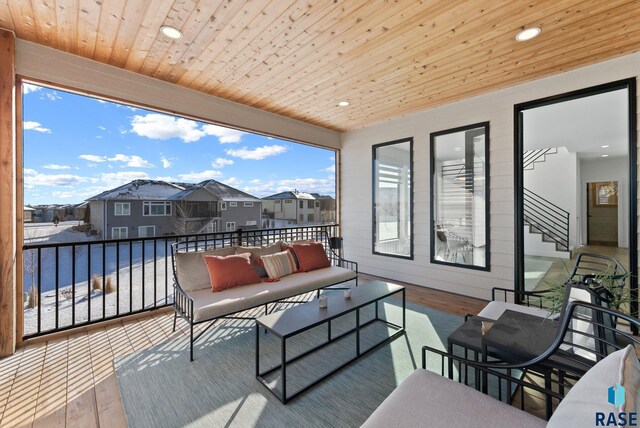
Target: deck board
[[70, 380]]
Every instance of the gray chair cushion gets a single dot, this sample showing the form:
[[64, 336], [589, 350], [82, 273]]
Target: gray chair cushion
[[426, 399]]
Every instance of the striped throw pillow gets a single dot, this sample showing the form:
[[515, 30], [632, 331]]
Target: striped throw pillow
[[279, 264]]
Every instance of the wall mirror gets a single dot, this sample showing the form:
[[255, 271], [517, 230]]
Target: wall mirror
[[459, 196]]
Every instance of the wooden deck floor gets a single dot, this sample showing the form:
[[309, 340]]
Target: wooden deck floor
[[69, 380]]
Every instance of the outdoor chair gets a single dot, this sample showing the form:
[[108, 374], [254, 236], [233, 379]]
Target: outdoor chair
[[587, 334]]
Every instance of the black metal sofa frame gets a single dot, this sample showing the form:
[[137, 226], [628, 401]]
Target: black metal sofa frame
[[183, 304]]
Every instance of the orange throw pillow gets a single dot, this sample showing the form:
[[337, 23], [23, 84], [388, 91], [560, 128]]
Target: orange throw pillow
[[230, 271], [311, 256]]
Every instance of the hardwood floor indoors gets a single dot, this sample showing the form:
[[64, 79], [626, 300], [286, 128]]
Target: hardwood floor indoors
[[69, 380]]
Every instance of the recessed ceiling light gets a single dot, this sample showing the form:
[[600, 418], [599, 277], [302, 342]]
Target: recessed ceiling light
[[456, 149], [605, 156], [171, 32], [528, 34], [606, 146], [344, 103]]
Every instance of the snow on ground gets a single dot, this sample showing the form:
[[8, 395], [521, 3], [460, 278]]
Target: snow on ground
[[125, 264]]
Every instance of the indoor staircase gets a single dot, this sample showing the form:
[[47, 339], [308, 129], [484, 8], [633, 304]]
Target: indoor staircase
[[546, 219]]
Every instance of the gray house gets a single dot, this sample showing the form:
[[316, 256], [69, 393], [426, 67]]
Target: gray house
[[145, 208], [292, 208], [211, 206]]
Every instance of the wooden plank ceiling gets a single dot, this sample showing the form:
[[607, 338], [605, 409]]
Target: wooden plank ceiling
[[299, 58]]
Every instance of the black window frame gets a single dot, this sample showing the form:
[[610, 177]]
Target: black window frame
[[432, 195], [411, 197]]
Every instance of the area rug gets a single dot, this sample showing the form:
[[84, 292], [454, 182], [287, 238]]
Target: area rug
[[160, 387]]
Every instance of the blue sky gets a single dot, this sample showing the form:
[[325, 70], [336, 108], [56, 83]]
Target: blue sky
[[76, 147]]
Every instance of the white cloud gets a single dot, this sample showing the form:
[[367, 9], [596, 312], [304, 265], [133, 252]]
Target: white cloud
[[55, 166], [102, 128], [310, 185], [133, 161], [28, 88], [34, 178], [64, 195], [35, 126], [329, 170], [101, 101], [93, 158], [258, 153], [200, 176], [52, 96], [166, 163], [163, 127], [232, 181], [225, 135], [115, 179], [221, 163]]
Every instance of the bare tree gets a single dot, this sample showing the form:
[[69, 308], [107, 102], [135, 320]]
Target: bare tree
[[30, 261], [181, 223]]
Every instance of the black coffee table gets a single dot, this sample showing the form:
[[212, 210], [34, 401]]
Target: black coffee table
[[293, 321]]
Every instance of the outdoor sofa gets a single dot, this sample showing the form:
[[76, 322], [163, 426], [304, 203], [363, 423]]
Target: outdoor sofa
[[195, 302]]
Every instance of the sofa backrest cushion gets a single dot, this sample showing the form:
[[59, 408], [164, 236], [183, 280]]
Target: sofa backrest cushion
[[311, 256], [230, 271], [590, 394], [191, 270], [257, 252], [279, 264], [288, 245]]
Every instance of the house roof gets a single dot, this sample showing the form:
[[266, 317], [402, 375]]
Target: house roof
[[319, 196], [154, 190], [299, 59], [227, 193], [290, 195]]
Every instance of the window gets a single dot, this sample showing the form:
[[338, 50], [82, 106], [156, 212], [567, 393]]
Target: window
[[301, 204], [317, 204], [212, 227], [156, 208], [393, 198], [310, 217], [248, 204], [122, 208], [119, 233], [146, 231], [301, 218], [223, 206], [278, 201], [231, 226], [459, 195], [233, 204], [288, 201]]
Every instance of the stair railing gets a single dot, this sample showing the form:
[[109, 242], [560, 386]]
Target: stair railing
[[530, 157], [547, 218]]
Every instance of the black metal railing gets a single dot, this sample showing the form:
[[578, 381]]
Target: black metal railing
[[546, 218], [531, 157], [69, 285]]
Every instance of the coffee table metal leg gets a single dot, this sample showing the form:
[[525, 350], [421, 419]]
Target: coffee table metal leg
[[284, 370], [358, 332], [404, 309], [257, 350]]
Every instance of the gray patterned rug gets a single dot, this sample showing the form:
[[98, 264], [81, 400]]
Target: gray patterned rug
[[161, 388]]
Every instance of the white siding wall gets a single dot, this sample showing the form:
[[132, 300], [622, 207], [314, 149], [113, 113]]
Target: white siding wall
[[496, 107]]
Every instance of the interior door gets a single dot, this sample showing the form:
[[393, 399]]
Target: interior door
[[602, 213]]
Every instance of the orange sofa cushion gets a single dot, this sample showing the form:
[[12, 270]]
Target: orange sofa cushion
[[230, 271]]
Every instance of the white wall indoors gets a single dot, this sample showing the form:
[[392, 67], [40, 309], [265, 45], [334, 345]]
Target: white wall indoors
[[554, 179], [607, 169], [496, 107]]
